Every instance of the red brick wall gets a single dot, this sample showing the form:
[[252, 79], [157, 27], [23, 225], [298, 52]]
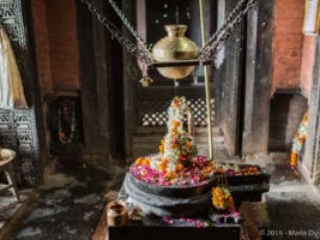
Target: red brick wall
[[42, 46], [62, 33], [287, 44], [308, 55], [56, 45]]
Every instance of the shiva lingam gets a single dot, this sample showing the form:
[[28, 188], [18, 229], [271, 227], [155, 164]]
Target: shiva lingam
[[176, 181]]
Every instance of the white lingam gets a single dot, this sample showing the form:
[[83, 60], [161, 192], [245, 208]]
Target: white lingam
[[177, 146]]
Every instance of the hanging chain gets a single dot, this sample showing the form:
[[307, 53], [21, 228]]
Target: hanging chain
[[226, 23], [218, 39], [127, 24], [138, 51]]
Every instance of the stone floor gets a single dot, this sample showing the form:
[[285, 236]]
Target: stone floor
[[290, 210], [72, 205], [68, 206]]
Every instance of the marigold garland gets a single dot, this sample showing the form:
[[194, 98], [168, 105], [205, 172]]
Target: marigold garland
[[178, 145], [62, 134], [222, 198], [177, 162], [299, 140]]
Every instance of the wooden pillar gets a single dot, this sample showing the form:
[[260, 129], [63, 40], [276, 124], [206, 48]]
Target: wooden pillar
[[231, 78], [131, 76], [94, 82], [311, 159], [258, 78]]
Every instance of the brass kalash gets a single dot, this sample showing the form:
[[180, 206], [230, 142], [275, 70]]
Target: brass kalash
[[174, 47]]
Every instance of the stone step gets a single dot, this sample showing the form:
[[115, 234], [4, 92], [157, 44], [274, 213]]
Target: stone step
[[154, 135], [156, 139], [162, 130], [151, 147], [148, 140], [219, 150]]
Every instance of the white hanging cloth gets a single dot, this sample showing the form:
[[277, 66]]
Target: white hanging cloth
[[11, 88]]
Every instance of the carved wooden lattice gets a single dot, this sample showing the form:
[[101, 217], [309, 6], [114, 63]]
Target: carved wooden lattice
[[18, 127], [154, 113]]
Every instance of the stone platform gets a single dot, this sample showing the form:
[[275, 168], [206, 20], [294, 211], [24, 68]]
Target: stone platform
[[152, 227], [190, 201]]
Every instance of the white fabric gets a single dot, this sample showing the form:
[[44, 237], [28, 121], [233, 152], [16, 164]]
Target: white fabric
[[11, 88]]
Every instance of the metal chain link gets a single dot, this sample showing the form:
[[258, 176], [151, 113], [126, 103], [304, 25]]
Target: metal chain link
[[218, 39], [126, 22], [225, 24], [137, 50], [140, 51]]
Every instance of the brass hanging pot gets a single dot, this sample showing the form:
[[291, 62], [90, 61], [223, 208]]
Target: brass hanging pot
[[175, 46]]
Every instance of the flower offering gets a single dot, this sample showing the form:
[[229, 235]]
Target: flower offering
[[177, 162]]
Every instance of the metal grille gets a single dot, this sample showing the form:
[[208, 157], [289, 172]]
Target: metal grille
[[154, 113]]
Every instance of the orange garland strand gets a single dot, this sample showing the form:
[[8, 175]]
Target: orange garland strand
[[298, 141]]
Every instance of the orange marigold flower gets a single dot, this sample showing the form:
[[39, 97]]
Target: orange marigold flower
[[293, 160], [165, 160], [161, 148], [170, 175], [145, 161], [179, 167], [139, 161], [175, 123], [173, 130], [176, 103], [189, 144], [163, 165], [210, 164], [208, 169], [174, 145], [219, 170]]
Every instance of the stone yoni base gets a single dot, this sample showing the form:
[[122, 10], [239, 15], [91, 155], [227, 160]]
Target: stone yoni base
[[185, 201]]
